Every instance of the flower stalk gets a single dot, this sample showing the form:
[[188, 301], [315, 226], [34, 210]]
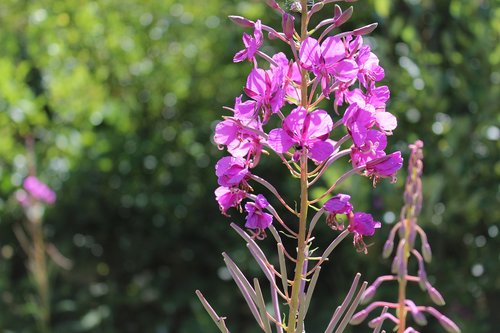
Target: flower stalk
[[339, 69]]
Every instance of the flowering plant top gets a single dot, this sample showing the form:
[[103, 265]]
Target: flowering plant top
[[299, 106]]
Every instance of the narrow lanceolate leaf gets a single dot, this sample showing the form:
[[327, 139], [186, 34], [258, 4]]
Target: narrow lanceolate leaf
[[275, 234], [310, 291], [283, 271], [243, 288], [334, 244], [341, 309], [219, 321], [233, 268], [249, 240], [352, 308], [262, 306]]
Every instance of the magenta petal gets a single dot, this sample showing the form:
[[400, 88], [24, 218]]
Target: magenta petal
[[346, 70], [339, 204], [320, 125], [294, 122], [319, 151], [309, 52], [386, 121], [280, 141], [225, 132], [256, 81], [332, 50], [240, 56]]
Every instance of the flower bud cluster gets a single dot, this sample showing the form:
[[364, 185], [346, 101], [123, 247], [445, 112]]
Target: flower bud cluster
[[408, 229], [339, 71]]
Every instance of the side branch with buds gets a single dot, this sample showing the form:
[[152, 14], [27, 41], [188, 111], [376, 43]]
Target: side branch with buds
[[408, 230]]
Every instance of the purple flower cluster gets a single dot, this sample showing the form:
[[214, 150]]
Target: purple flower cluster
[[342, 72], [36, 190]]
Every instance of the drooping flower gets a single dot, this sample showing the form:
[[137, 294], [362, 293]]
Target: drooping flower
[[252, 44], [339, 204], [384, 167], [256, 217], [231, 171], [306, 130], [228, 197], [240, 134], [39, 190], [363, 224]]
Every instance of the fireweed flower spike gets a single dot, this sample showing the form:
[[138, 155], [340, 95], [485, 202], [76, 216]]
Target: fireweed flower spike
[[278, 113], [408, 229]]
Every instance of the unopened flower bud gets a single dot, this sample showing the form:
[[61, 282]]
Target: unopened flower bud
[[426, 252], [449, 325], [368, 294], [241, 21], [413, 233], [337, 12], [273, 4], [316, 8], [388, 247], [365, 30], [287, 22], [296, 7], [422, 279], [410, 330], [435, 295], [419, 318], [359, 317], [394, 265], [344, 17]]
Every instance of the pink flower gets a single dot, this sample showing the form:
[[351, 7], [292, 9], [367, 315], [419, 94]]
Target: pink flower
[[385, 167], [256, 217], [338, 204], [372, 148], [229, 197], [39, 190], [237, 133], [252, 44], [369, 69], [327, 61], [265, 87], [231, 171], [363, 224], [309, 130], [358, 121]]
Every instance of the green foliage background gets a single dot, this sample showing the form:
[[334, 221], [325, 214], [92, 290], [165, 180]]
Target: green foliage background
[[122, 97]]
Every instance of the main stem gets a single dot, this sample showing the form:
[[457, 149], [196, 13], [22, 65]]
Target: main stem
[[301, 237], [39, 271]]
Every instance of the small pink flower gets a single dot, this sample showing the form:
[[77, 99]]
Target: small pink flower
[[309, 130], [229, 197], [363, 224], [39, 190], [256, 217], [385, 167], [338, 204], [231, 171], [252, 44]]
